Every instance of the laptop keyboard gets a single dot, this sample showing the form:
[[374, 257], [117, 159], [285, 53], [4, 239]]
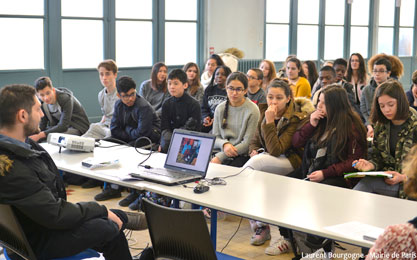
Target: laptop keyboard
[[164, 172]]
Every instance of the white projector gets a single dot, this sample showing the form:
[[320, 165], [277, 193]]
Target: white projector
[[72, 142]]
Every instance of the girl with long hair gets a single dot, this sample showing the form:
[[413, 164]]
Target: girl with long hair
[[333, 138], [234, 123], [195, 89], [356, 75], [299, 84], [395, 133], [155, 90], [310, 71], [269, 72], [212, 63]]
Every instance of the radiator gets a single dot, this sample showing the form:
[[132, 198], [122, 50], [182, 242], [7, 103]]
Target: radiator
[[245, 65]]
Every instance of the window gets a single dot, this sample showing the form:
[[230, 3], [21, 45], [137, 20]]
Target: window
[[82, 39], [134, 33], [386, 26], [21, 20], [405, 41], [334, 29], [359, 29], [180, 31], [277, 29], [308, 29]]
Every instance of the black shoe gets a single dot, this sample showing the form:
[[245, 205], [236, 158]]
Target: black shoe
[[136, 221], [135, 205], [129, 199], [91, 183], [107, 194]]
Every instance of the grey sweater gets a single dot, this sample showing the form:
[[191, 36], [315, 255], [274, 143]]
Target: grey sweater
[[72, 114], [155, 98], [241, 126], [367, 97]]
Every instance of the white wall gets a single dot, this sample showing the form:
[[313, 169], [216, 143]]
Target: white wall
[[235, 23]]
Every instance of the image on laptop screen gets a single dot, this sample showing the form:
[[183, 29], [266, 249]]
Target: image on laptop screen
[[189, 151]]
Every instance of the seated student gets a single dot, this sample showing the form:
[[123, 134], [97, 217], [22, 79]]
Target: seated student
[[340, 67], [357, 76], [401, 238], [299, 84], [333, 138], [255, 91], [234, 123], [133, 118], [154, 90], [310, 71], [31, 184], [195, 89], [327, 76], [269, 72], [280, 118], [212, 63], [63, 113], [395, 133], [412, 93], [214, 94], [381, 73], [107, 97], [180, 110]]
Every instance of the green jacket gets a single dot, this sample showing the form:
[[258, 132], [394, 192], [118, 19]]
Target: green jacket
[[381, 157], [276, 139]]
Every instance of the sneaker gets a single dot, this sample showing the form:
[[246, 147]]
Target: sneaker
[[253, 225], [278, 247], [129, 199], [135, 205], [136, 221], [91, 183], [262, 234], [107, 194]]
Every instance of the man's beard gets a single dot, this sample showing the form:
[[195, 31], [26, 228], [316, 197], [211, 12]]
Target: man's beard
[[30, 128]]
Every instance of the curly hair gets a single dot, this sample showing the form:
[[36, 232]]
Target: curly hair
[[397, 67]]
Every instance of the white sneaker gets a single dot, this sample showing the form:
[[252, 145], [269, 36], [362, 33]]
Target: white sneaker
[[253, 225], [278, 247]]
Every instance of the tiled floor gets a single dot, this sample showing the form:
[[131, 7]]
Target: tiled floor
[[239, 245]]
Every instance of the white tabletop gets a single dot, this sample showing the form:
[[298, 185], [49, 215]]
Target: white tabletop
[[295, 204]]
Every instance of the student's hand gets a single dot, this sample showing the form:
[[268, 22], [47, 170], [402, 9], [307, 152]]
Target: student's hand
[[230, 150], [113, 217], [363, 165], [316, 176], [159, 148], [207, 121], [370, 132], [37, 137], [396, 178], [253, 153], [315, 117], [270, 113], [216, 160]]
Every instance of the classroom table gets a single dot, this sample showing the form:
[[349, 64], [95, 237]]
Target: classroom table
[[278, 200]]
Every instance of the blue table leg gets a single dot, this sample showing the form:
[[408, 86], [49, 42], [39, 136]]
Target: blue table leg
[[213, 228]]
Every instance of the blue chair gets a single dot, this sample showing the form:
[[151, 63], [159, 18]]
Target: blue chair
[[13, 239]]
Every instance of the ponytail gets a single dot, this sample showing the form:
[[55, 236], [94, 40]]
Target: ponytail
[[226, 110]]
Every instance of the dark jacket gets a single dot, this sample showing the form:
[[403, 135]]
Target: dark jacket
[[276, 138], [212, 97], [183, 112], [72, 114], [410, 98], [329, 164], [130, 123], [30, 182]]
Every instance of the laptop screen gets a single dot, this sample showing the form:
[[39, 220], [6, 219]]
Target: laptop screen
[[190, 151]]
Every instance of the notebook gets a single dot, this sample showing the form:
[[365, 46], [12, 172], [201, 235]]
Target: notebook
[[187, 159]]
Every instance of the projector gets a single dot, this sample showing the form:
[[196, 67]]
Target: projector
[[72, 142]]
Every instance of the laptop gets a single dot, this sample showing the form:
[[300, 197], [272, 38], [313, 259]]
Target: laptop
[[187, 160]]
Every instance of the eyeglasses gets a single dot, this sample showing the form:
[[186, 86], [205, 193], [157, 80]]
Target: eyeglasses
[[125, 97], [251, 77], [379, 71], [238, 90]]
